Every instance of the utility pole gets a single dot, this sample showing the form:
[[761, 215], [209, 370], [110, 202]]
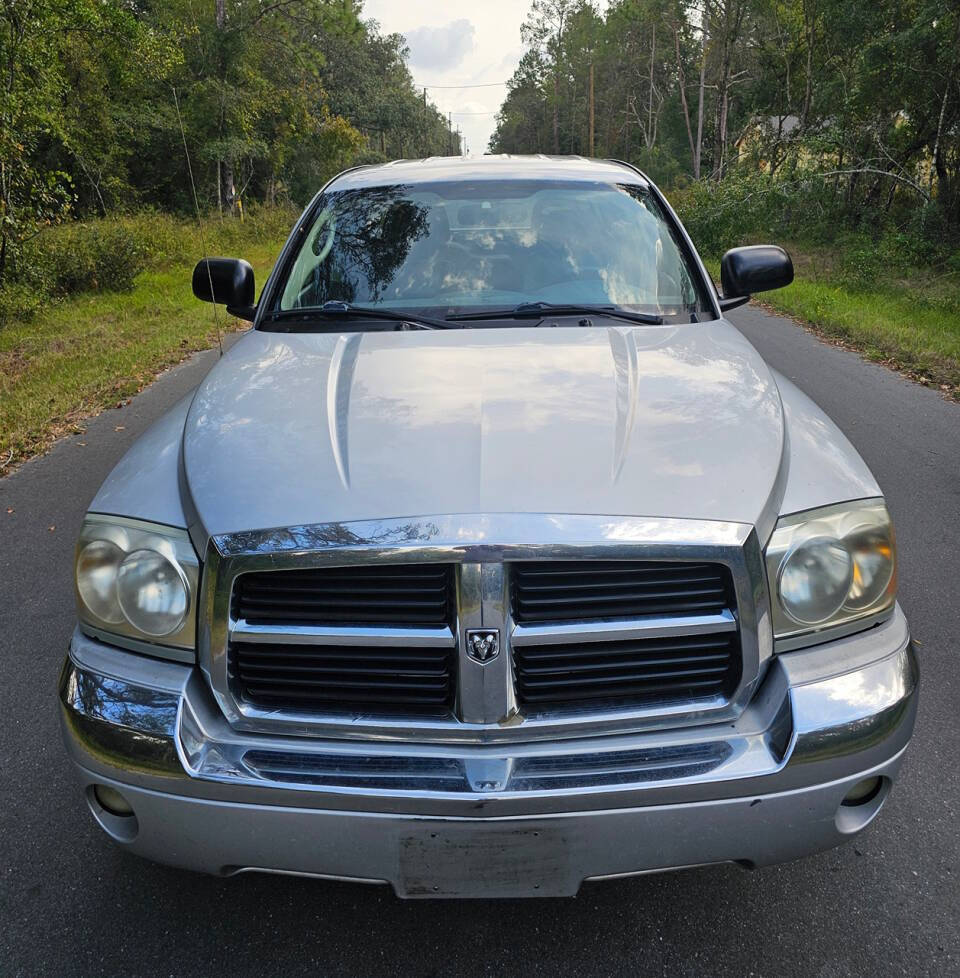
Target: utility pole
[[450, 130], [591, 108]]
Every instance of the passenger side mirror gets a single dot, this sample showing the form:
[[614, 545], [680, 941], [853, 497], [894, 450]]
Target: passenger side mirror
[[227, 281], [757, 268]]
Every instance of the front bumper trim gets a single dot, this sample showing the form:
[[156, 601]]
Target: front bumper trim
[[210, 797]]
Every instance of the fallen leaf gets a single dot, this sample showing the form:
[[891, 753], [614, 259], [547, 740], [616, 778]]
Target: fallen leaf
[[9, 509], [120, 427], [82, 444], [51, 528]]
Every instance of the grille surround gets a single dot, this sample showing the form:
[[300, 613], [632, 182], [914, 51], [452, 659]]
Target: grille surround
[[474, 544]]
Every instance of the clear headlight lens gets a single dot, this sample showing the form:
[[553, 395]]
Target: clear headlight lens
[[97, 567], [152, 592], [831, 566], [137, 580]]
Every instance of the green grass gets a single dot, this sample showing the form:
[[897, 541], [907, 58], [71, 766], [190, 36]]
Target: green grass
[[91, 351], [906, 325]]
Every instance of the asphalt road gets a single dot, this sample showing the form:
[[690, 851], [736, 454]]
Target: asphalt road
[[889, 902]]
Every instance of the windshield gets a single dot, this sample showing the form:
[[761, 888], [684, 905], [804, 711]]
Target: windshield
[[460, 247]]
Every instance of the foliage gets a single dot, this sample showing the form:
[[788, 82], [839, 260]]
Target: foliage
[[98, 98], [38, 38], [720, 89], [102, 256]]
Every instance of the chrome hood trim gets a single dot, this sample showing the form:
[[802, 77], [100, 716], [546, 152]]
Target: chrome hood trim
[[673, 421]]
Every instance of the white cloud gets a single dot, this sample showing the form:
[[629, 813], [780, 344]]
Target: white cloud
[[445, 64], [441, 48], [492, 55]]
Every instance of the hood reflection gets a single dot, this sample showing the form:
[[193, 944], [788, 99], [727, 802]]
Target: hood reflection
[[303, 428]]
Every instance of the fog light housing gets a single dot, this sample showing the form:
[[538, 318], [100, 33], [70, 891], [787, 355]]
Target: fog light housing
[[110, 800], [863, 792]]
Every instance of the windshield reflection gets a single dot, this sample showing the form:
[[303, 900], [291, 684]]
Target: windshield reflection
[[494, 244]]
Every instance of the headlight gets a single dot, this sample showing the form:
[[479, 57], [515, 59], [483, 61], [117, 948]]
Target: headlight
[[831, 566], [137, 580]]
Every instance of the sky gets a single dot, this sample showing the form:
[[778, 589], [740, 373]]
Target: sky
[[458, 42]]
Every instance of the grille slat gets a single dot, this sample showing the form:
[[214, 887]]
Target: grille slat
[[336, 669], [590, 590], [394, 679], [621, 664], [585, 651], [580, 679]]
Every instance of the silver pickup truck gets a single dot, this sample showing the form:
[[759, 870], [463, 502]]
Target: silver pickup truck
[[491, 560]]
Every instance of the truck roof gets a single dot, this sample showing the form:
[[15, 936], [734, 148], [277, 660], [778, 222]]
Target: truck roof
[[503, 167]]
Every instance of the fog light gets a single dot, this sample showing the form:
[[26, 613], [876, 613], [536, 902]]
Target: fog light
[[863, 791], [112, 801]]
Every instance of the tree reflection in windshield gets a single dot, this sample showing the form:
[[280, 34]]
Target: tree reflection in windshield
[[494, 244], [367, 235]]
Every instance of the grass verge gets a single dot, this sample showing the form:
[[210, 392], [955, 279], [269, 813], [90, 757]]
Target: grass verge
[[92, 351], [898, 325]]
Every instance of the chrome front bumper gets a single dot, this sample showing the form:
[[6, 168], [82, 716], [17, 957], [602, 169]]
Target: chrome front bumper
[[513, 817]]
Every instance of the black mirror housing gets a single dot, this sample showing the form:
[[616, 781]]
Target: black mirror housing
[[756, 268], [227, 281]]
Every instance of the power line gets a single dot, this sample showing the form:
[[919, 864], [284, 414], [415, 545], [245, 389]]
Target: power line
[[493, 112], [483, 85]]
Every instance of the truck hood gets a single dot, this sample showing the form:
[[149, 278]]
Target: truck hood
[[671, 421]]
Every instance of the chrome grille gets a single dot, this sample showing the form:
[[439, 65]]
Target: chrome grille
[[381, 605], [618, 767], [533, 772], [346, 770]]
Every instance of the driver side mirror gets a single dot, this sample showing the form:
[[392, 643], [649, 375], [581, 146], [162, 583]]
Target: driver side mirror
[[227, 281], [757, 268]]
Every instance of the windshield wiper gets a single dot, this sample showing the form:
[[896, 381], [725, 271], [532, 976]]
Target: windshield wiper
[[538, 310], [343, 310]]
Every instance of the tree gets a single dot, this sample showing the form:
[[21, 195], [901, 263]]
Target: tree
[[42, 43]]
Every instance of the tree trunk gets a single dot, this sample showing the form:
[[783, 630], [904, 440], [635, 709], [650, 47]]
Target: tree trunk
[[809, 21], [943, 178], [229, 190], [556, 114], [703, 72], [683, 93], [226, 194], [722, 131], [591, 109], [651, 125]]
